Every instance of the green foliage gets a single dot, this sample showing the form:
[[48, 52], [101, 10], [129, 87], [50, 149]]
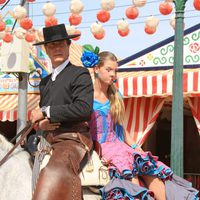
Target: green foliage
[[89, 47]]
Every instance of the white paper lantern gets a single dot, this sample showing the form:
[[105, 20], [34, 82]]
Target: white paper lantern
[[39, 34], [2, 34], [20, 33], [172, 21], [96, 28], [122, 25], [107, 4], [19, 12], [76, 6], [70, 29], [139, 3], [152, 21], [49, 9]]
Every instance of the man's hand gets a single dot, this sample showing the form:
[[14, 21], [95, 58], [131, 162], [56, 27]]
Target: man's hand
[[36, 115], [45, 125]]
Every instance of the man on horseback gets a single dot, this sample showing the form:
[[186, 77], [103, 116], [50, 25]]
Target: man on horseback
[[66, 105]]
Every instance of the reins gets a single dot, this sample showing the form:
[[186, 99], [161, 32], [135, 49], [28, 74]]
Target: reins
[[24, 132]]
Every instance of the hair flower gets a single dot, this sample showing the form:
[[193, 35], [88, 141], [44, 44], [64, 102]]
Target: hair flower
[[90, 57]]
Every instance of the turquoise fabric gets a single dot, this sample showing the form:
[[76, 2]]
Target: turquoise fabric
[[104, 110]]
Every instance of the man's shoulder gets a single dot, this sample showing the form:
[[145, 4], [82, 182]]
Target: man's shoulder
[[78, 69], [45, 79]]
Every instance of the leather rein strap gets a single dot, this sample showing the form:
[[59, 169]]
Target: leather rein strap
[[24, 132]]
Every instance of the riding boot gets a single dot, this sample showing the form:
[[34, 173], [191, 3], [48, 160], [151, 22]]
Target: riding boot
[[59, 180]]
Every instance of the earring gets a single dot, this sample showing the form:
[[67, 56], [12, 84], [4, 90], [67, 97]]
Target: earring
[[115, 81], [96, 74]]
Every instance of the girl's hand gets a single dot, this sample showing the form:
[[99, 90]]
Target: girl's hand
[[45, 125], [139, 149]]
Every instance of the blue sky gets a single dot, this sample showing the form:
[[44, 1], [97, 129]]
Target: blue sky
[[123, 47]]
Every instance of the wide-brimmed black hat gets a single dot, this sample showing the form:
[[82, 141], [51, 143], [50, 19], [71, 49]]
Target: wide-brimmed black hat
[[55, 33]]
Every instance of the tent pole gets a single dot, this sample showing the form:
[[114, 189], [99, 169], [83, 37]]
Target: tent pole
[[177, 103], [22, 94]]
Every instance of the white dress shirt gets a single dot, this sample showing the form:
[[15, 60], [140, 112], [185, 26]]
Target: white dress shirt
[[58, 69], [54, 74]]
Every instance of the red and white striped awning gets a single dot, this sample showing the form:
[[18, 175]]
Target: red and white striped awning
[[131, 84], [9, 106], [157, 83]]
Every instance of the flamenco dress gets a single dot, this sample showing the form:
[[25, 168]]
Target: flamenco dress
[[124, 162]]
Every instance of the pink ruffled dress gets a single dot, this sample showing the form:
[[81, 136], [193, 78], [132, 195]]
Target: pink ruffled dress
[[125, 162]]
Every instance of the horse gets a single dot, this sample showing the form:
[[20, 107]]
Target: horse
[[16, 175]]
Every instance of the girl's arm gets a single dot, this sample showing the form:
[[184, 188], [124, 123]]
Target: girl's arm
[[129, 140]]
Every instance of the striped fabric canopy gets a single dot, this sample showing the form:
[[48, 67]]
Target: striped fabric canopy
[[131, 84], [157, 83], [9, 106]]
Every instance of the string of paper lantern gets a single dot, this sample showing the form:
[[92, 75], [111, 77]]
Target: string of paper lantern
[[76, 7]]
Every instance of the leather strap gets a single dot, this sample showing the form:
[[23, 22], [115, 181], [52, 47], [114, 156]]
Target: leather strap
[[24, 132]]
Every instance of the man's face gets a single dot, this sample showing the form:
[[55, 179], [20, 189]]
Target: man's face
[[58, 52]]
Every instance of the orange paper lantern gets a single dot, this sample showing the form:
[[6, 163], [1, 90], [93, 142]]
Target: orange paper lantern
[[165, 8], [100, 35], [150, 30], [75, 19], [132, 12], [30, 37], [8, 37], [30, 1], [196, 4], [51, 21], [103, 16], [123, 33], [77, 32], [2, 1], [26, 23]]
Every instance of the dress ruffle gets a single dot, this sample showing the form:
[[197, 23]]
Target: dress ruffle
[[134, 163], [149, 165], [119, 189]]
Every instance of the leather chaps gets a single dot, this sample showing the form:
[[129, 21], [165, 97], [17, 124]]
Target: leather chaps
[[59, 180]]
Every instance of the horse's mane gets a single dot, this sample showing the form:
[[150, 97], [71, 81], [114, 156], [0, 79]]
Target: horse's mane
[[5, 145]]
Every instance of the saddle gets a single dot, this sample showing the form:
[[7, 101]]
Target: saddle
[[93, 173]]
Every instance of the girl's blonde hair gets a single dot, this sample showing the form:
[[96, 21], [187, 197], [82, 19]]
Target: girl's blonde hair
[[116, 102]]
